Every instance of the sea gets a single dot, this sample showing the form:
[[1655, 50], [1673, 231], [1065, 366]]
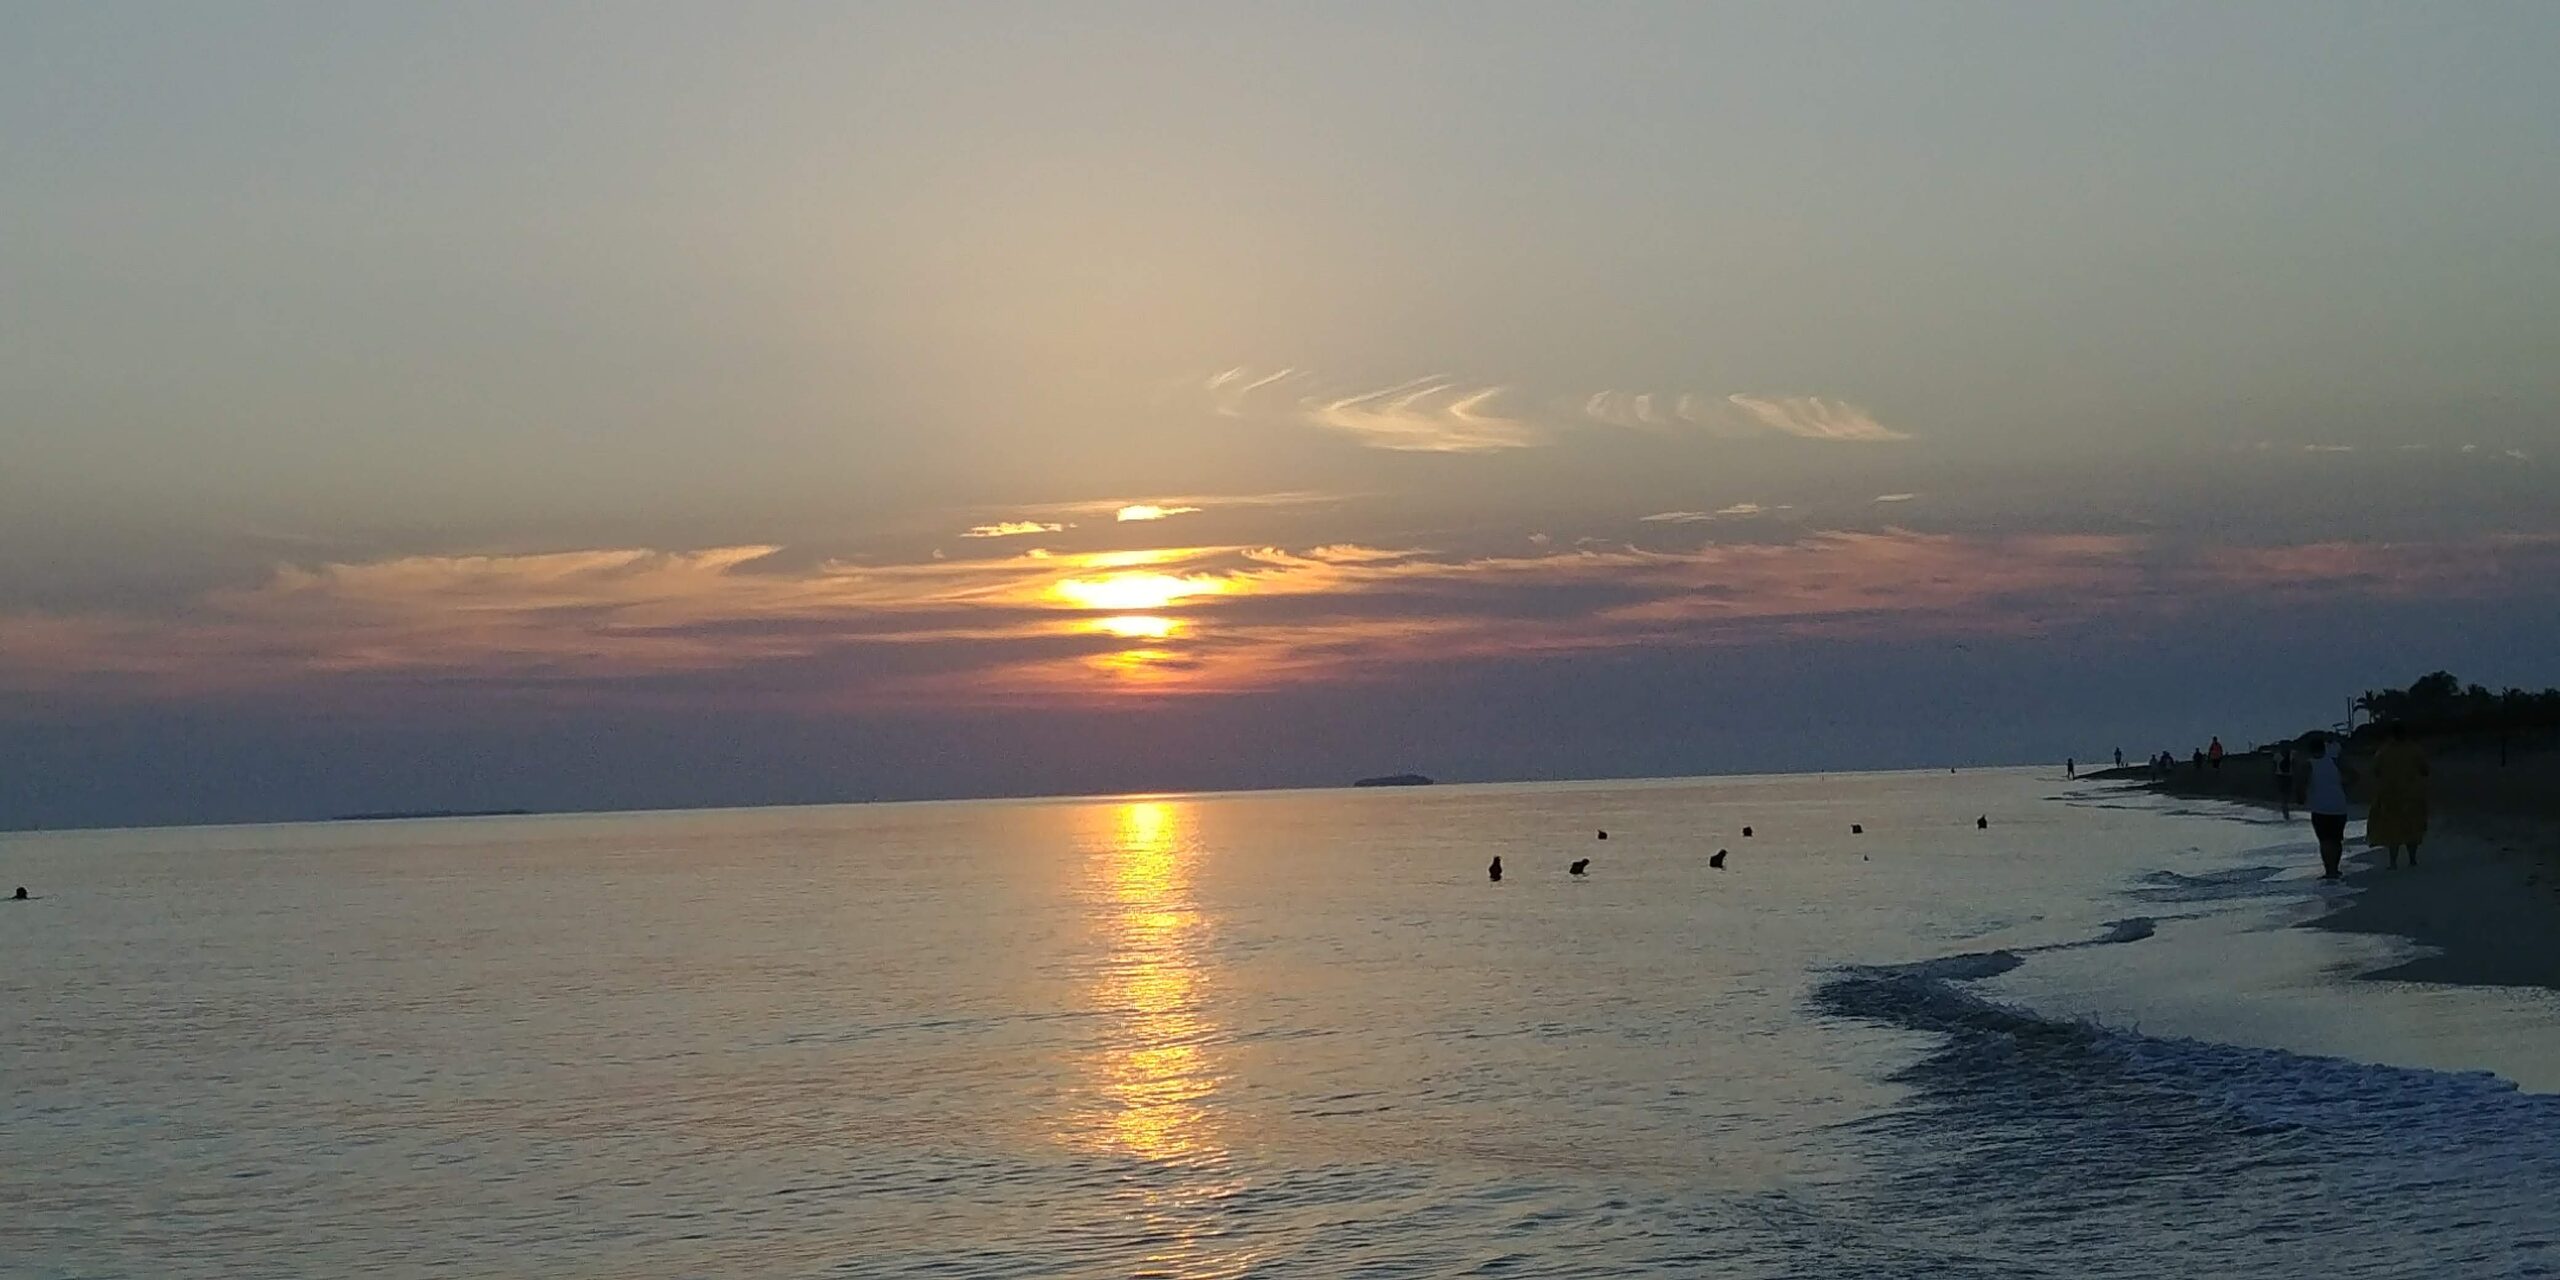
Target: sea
[[1258, 1034]]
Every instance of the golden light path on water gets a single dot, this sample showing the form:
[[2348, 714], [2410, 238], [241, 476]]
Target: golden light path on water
[[1155, 1086], [1151, 982]]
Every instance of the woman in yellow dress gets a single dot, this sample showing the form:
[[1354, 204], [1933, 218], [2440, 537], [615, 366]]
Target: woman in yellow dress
[[2399, 816]]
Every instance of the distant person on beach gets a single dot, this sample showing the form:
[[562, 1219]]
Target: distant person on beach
[[2399, 815], [2199, 760], [1494, 872], [2119, 757], [2213, 754], [2284, 781], [2327, 799]]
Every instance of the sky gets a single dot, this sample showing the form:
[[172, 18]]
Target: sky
[[630, 405]]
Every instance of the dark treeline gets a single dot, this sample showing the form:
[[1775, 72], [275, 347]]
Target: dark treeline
[[2439, 703]]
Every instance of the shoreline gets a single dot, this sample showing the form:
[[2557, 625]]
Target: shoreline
[[2485, 901]]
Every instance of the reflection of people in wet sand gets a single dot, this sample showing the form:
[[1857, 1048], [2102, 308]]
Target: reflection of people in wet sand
[[2399, 815], [2327, 800]]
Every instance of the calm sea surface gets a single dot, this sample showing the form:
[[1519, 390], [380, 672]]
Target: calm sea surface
[[1291, 1034]]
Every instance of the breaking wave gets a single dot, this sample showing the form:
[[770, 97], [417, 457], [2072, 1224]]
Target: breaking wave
[[2135, 1155]]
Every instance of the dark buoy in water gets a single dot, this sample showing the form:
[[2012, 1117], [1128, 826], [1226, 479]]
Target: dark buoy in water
[[1717, 861], [1746, 833], [1604, 835], [1579, 865], [1982, 823], [1856, 830], [1494, 872]]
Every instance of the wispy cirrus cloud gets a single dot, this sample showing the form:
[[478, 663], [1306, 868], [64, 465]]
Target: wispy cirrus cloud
[[1434, 414], [1737, 511], [1443, 414], [1738, 416], [1815, 418], [1013, 528], [1896, 497]]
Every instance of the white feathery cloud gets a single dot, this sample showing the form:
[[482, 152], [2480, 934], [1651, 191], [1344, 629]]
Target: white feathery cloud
[[1442, 414], [1737, 511], [1012, 528], [1814, 418], [1425, 415], [1803, 417], [1896, 497]]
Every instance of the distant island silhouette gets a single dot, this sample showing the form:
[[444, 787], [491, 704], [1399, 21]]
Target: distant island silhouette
[[1395, 780], [402, 815]]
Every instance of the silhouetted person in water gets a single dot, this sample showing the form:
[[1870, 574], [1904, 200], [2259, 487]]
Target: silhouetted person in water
[[1717, 861], [1579, 864], [1982, 823], [1604, 835], [2119, 757], [1856, 829], [21, 895], [2070, 767], [1494, 872], [1746, 833]]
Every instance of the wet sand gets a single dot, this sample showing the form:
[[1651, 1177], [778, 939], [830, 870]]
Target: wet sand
[[2485, 898]]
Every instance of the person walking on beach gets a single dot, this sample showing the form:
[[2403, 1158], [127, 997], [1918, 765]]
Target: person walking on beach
[[2284, 780], [2119, 757], [2213, 754], [2327, 800], [2399, 815], [2070, 767]]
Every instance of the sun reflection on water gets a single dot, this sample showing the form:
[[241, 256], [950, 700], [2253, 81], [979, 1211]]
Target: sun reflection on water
[[1152, 1071]]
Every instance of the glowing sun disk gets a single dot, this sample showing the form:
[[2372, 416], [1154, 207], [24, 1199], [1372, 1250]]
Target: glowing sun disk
[[1136, 626], [1133, 592]]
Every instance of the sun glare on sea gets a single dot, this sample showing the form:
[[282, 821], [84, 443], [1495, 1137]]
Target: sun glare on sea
[[1154, 1079]]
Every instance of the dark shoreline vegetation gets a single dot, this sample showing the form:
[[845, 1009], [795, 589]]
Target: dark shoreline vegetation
[[2452, 722], [2485, 906]]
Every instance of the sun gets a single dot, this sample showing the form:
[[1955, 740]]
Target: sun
[[1136, 626], [1136, 592]]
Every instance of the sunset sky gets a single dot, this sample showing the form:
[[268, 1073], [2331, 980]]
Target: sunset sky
[[633, 406]]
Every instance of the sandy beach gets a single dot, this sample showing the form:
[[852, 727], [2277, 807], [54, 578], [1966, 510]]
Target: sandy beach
[[2486, 898]]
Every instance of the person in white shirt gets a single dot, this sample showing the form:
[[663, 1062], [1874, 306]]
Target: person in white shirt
[[2326, 797]]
